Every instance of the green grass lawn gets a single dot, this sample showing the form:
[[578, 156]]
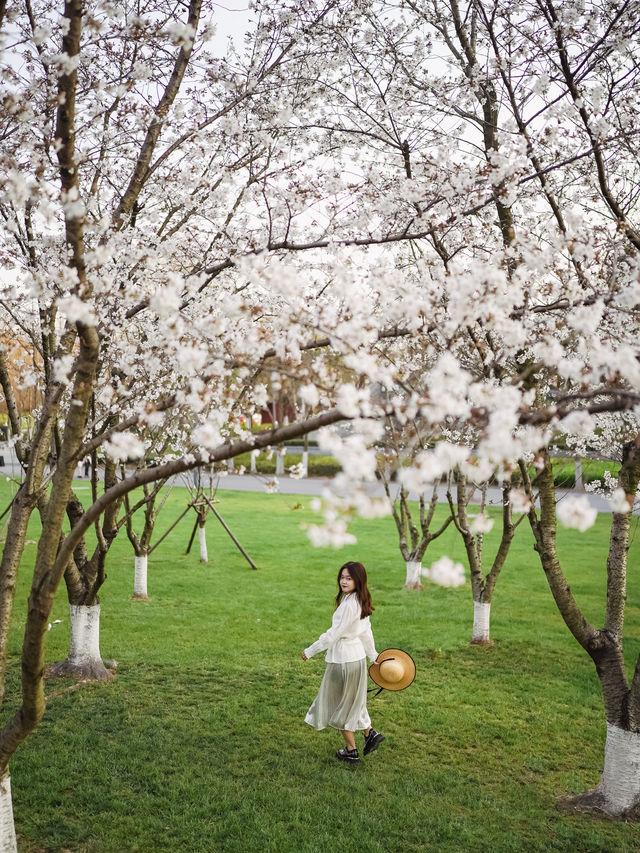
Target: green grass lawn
[[200, 744]]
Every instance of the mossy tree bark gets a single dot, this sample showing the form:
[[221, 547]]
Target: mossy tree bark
[[618, 793]]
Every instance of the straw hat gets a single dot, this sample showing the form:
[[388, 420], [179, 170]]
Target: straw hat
[[393, 670]]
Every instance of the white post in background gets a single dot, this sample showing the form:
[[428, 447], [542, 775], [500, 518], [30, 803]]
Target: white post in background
[[577, 467], [140, 578], [230, 465], [280, 454], [481, 635], [305, 463], [204, 558], [414, 571], [8, 843], [254, 456]]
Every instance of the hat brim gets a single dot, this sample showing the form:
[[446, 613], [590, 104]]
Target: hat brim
[[408, 666]]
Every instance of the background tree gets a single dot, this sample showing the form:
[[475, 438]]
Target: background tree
[[141, 542], [472, 531], [400, 442]]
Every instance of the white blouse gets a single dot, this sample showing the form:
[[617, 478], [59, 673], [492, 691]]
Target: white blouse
[[349, 638]]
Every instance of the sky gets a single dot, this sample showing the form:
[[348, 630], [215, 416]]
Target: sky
[[231, 22]]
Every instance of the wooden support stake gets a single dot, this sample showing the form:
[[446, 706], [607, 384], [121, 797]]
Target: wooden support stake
[[193, 533], [238, 545], [164, 536]]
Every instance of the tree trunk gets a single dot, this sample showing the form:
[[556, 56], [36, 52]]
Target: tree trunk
[[481, 620], [414, 572], [305, 463], [140, 578], [84, 659], [9, 565], [618, 793], [280, 454], [204, 558], [8, 843]]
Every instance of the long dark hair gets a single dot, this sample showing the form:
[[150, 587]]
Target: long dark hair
[[359, 576]]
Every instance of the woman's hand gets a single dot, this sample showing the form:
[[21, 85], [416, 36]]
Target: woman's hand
[[304, 657]]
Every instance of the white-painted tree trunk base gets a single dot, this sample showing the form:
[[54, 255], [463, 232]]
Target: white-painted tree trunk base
[[84, 659], [280, 454], [204, 558], [620, 782], [481, 635], [305, 463], [414, 573], [140, 578], [253, 467], [618, 793], [8, 843]]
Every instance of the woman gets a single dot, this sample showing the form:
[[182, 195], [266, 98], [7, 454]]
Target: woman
[[342, 699]]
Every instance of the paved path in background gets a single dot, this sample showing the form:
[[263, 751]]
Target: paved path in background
[[316, 485]]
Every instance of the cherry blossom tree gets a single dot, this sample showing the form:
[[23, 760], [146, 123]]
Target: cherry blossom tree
[[567, 114], [144, 180], [177, 227], [414, 535], [472, 531], [414, 540], [502, 138]]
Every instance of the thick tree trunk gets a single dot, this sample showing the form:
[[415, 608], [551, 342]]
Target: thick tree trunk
[[204, 558], [8, 843], [481, 635], [9, 564], [84, 659], [620, 782], [618, 793], [414, 573], [140, 578]]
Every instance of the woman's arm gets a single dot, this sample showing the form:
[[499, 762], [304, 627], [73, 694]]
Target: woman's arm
[[368, 643], [347, 612]]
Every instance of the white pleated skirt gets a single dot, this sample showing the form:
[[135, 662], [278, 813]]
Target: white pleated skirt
[[341, 702]]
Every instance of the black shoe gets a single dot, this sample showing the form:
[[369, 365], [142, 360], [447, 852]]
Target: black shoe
[[372, 741], [349, 755]]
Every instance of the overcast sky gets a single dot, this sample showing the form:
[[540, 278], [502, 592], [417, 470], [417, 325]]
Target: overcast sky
[[232, 21]]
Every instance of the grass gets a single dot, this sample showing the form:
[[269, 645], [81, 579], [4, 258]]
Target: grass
[[592, 469], [199, 743]]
